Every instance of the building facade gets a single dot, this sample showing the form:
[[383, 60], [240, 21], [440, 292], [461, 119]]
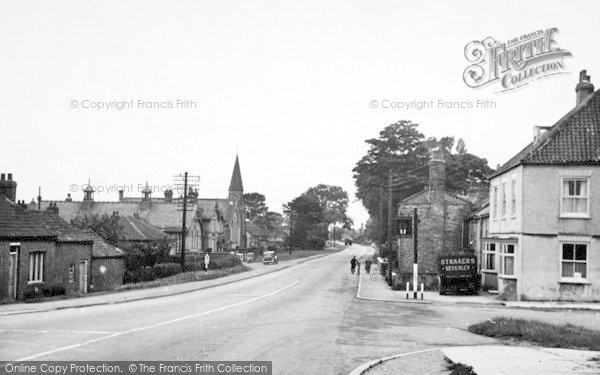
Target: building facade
[[544, 214]]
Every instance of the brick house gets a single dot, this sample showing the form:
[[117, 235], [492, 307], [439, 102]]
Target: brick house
[[544, 226], [441, 226]]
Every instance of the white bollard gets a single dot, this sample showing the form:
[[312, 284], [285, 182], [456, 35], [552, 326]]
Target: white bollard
[[407, 289], [422, 288]]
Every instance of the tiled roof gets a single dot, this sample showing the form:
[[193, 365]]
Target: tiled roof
[[255, 230], [163, 216], [19, 222], [137, 229], [573, 140]]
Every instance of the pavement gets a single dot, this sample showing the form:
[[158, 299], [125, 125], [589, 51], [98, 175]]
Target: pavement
[[108, 298], [484, 359]]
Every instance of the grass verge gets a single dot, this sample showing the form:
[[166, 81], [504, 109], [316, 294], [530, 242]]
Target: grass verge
[[550, 335]]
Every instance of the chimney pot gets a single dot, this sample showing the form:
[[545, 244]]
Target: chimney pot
[[584, 88], [10, 177], [2, 177]]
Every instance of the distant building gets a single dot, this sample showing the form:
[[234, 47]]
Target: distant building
[[210, 223], [544, 226], [258, 238], [40, 254], [441, 225]]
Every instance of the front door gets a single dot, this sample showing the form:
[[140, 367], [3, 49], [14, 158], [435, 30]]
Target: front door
[[83, 276], [13, 266]]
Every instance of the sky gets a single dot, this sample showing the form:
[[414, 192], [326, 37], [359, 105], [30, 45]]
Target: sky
[[293, 87]]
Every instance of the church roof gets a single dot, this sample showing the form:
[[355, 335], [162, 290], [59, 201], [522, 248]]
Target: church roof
[[236, 178]]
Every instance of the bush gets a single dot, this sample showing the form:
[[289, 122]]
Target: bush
[[225, 261], [196, 266], [142, 274], [166, 269]]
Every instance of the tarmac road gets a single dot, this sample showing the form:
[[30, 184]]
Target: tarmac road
[[305, 319]]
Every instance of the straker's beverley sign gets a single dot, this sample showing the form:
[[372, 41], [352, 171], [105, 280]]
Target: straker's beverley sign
[[458, 266]]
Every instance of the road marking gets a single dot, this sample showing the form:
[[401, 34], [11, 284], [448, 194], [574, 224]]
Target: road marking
[[117, 334], [359, 286], [56, 331]]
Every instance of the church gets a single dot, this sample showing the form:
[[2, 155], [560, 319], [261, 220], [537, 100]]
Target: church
[[217, 224]]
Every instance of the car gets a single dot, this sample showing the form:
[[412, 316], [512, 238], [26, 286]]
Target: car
[[269, 257]]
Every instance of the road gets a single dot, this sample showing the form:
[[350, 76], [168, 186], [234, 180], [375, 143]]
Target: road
[[306, 319]]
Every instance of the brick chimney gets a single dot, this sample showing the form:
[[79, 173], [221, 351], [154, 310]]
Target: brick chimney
[[584, 88], [121, 195], [52, 208], [437, 171], [8, 187]]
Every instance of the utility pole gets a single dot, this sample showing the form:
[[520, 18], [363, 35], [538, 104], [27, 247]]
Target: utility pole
[[390, 215], [415, 261], [184, 179]]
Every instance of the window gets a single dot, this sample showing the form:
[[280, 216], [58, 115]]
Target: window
[[495, 202], [503, 199], [36, 267], [14, 248], [513, 198], [575, 196], [573, 260], [507, 259], [489, 256], [71, 273]]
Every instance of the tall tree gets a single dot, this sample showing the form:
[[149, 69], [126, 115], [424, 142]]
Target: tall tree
[[334, 202], [255, 205], [307, 221]]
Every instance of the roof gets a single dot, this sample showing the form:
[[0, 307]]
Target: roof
[[19, 222], [572, 140], [255, 230], [236, 177], [136, 229], [164, 216]]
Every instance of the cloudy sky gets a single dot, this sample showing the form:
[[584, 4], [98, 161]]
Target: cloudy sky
[[289, 85]]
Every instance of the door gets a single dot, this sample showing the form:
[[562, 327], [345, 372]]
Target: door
[[83, 276], [12, 274]]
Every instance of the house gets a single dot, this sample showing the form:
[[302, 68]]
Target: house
[[478, 227], [258, 238], [441, 226], [40, 254], [544, 225], [210, 223]]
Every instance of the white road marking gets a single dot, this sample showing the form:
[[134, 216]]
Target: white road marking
[[117, 334]]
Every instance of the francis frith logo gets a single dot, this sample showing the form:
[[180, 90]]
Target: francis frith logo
[[515, 63]]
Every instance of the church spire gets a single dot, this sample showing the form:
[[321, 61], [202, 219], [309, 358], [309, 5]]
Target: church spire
[[236, 178]]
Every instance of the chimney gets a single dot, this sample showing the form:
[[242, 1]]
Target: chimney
[[437, 171], [88, 192], [584, 88], [146, 193], [8, 187], [538, 133], [52, 208], [168, 196], [69, 199], [121, 195]]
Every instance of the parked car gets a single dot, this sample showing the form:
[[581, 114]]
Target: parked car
[[269, 257]]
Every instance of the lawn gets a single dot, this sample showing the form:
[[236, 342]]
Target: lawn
[[550, 335]]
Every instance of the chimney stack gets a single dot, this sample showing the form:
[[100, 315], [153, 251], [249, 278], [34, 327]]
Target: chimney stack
[[437, 171], [8, 187], [584, 88], [120, 195]]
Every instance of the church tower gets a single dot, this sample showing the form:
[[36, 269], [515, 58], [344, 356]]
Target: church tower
[[237, 223]]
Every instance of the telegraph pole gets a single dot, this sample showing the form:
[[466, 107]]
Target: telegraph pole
[[416, 263], [183, 225], [390, 215], [184, 180]]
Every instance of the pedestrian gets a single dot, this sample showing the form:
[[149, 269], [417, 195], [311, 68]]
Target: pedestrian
[[368, 266], [353, 262]]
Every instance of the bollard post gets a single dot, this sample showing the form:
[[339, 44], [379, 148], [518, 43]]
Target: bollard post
[[407, 289], [422, 288]]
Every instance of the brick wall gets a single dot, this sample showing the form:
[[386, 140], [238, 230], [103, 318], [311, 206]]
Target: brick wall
[[440, 230]]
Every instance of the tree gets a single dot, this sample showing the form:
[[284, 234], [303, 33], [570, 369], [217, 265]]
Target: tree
[[334, 201], [105, 226], [307, 218], [403, 150], [255, 205], [272, 222]]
